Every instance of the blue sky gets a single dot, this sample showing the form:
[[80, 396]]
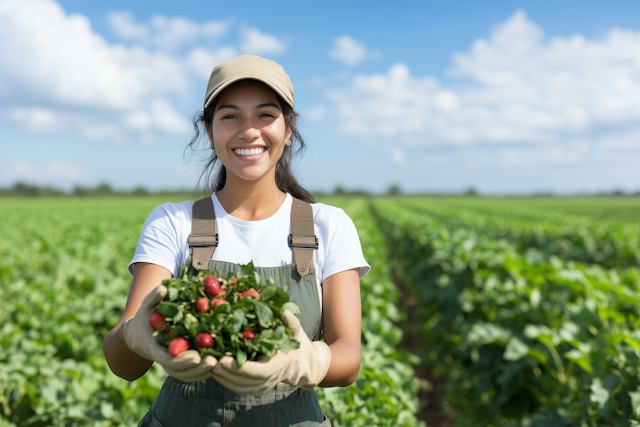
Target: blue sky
[[503, 96]]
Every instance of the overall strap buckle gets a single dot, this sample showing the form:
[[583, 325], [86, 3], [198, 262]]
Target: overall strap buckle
[[306, 241], [203, 239]]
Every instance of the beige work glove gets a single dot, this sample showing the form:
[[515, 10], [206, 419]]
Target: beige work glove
[[138, 334], [304, 367]]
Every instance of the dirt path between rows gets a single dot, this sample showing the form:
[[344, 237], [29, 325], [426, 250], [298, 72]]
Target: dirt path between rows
[[430, 393]]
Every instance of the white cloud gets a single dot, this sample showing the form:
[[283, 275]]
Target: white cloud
[[165, 32], [514, 88], [348, 51], [31, 171], [398, 156], [253, 41], [60, 76], [315, 113], [201, 61]]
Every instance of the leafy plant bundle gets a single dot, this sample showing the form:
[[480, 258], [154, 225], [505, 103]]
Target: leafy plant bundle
[[237, 315]]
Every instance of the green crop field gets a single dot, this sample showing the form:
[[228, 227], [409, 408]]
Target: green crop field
[[528, 308]]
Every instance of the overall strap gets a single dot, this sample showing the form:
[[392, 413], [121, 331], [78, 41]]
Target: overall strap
[[203, 238], [303, 238]]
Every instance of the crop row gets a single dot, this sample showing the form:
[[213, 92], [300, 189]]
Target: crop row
[[63, 284], [385, 392], [611, 244], [525, 338]]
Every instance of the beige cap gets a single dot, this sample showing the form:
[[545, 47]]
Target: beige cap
[[249, 67]]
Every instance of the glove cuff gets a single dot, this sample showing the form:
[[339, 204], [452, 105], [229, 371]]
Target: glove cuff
[[320, 365], [123, 331]]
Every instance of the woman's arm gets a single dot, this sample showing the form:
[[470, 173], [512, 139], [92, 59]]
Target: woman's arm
[[341, 323], [122, 361]]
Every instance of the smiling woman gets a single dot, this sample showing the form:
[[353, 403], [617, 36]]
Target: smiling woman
[[257, 213], [276, 104]]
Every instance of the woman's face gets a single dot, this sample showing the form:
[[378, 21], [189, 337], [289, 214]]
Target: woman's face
[[248, 130]]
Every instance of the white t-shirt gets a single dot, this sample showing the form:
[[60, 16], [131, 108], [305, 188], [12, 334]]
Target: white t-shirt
[[163, 240]]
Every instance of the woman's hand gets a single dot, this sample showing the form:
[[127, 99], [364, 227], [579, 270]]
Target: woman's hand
[[130, 348], [304, 367], [138, 334], [334, 362]]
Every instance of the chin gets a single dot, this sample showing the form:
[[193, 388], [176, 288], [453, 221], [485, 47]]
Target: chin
[[251, 176]]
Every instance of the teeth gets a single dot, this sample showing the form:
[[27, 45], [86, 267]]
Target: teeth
[[249, 152]]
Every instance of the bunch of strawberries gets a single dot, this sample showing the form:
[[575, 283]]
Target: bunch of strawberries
[[237, 316]]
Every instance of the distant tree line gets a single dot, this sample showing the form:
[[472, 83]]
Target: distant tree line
[[21, 189]]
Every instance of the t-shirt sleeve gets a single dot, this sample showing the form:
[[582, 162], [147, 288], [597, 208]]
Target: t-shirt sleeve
[[159, 241], [342, 246]]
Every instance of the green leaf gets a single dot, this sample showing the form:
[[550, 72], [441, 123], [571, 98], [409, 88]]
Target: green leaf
[[257, 278], [178, 317], [168, 309], [290, 344], [539, 356], [515, 350], [580, 359], [106, 409], [241, 357], [487, 333], [178, 331], [248, 268], [599, 394], [292, 307], [265, 315], [238, 320], [535, 331], [222, 308], [632, 342], [635, 401]]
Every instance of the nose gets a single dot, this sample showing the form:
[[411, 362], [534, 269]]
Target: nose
[[248, 130]]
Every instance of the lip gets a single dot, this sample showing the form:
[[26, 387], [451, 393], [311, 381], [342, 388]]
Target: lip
[[251, 157]]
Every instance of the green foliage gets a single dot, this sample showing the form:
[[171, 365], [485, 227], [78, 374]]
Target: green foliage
[[525, 338], [227, 322], [584, 233], [64, 284], [384, 394]]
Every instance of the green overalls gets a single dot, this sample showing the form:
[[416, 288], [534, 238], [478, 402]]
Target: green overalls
[[208, 403]]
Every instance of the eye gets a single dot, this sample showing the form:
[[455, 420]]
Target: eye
[[228, 116], [267, 115]]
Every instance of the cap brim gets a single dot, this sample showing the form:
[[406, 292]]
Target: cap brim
[[233, 80]]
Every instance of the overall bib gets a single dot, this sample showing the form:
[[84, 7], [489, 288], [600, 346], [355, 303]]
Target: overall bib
[[208, 403]]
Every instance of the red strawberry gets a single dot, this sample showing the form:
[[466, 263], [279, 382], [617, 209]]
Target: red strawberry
[[251, 293], [218, 301], [177, 346], [203, 305], [234, 280], [212, 286], [249, 335], [157, 321], [204, 340]]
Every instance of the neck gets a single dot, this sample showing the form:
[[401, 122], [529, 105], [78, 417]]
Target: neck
[[251, 200]]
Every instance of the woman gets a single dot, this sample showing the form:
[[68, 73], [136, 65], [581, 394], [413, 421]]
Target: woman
[[257, 213]]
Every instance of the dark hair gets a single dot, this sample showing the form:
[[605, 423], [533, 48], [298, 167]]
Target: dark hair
[[215, 176]]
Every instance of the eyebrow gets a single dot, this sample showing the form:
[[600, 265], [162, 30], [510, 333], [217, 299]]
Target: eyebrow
[[235, 107]]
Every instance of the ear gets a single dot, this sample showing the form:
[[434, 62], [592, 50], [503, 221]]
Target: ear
[[289, 129], [208, 127]]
